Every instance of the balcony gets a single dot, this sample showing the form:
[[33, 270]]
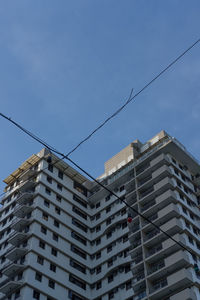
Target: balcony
[[148, 205], [137, 277], [27, 174], [159, 285], [144, 180], [133, 228], [130, 186], [19, 224], [17, 238], [24, 198], [11, 269], [151, 234], [14, 253], [22, 210], [26, 186], [131, 198], [146, 192], [174, 282], [137, 260], [156, 267], [140, 296], [155, 249], [10, 286], [134, 244]]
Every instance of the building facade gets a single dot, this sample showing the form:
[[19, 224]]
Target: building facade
[[65, 237]]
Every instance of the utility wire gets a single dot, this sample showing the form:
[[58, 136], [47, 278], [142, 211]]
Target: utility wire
[[131, 98], [100, 184]]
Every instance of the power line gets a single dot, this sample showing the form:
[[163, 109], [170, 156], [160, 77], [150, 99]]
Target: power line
[[132, 98], [99, 183]]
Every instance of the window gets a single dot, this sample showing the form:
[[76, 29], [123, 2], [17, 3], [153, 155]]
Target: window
[[74, 296], [98, 205], [40, 260], [51, 284], [54, 251], [108, 222], [79, 225], [43, 230], [78, 251], [56, 223], [19, 276], [98, 241], [124, 225], [45, 217], [55, 237], [110, 278], [109, 248], [38, 276], [110, 262], [121, 188], [98, 216], [184, 210], [128, 285], [108, 209], [98, 228], [76, 265], [98, 270], [80, 201], [49, 179], [79, 238], [98, 285], [17, 294], [46, 203], [60, 174], [77, 281], [125, 238], [109, 234], [98, 255], [107, 198], [36, 295], [57, 210], [58, 198], [79, 212], [59, 186], [80, 188], [48, 191], [191, 240], [42, 244], [52, 267]]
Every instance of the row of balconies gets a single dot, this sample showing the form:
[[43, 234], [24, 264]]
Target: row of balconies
[[164, 285], [16, 253]]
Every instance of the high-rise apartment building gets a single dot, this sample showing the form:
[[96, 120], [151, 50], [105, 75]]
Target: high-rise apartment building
[[65, 237]]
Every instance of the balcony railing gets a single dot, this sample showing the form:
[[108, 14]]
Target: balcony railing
[[137, 260], [151, 234], [156, 267], [147, 206], [139, 296], [24, 197], [138, 277], [142, 181], [135, 244], [159, 285], [146, 192], [154, 250], [134, 229]]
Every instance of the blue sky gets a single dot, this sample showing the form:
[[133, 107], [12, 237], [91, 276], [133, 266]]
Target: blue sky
[[67, 65]]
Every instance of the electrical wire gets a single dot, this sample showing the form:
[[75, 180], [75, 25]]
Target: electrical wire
[[100, 184], [132, 98]]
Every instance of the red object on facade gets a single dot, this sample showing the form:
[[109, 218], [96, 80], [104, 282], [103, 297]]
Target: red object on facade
[[129, 220]]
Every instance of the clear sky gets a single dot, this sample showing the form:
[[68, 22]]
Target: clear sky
[[67, 65]]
